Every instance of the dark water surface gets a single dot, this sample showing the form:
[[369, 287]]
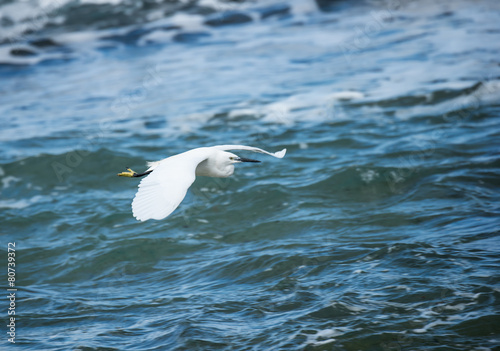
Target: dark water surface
[[379, 230]]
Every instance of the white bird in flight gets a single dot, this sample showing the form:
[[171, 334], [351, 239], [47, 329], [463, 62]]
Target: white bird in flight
[[168, 180]]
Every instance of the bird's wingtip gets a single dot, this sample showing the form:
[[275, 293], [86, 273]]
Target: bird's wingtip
[[280, 154]]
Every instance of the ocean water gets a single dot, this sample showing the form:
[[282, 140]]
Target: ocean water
[[379, 230]]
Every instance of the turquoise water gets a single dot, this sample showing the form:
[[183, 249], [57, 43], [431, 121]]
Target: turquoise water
[[377, 231]]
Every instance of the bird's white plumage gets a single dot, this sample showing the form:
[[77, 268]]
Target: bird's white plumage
[[279, 154], [162, 191], [165, 187]]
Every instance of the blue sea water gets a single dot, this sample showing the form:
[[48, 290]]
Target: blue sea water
[[379, 230]]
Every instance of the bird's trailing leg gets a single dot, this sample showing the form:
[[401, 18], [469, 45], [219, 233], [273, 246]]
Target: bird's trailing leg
[[131, 173]]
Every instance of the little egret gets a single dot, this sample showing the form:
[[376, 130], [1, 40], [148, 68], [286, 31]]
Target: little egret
[[168, 180]]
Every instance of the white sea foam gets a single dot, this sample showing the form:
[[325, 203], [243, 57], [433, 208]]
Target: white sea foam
[[243, 112], [21, 203], [7, 181], [14, 204], [187, 21], [316, 106], [458, 307], [369, 176], [431, 325], [347, 95], [304, 7], [157, 36], [188, 123], [87, 36], [111, 2], [325, 336]]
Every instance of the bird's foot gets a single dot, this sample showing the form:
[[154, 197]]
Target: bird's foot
[[129, 173]]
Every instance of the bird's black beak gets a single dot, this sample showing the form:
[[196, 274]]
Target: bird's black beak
[[242, 159]]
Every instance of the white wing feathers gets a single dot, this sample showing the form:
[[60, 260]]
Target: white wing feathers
[[279, 154], [163, 189], [152, 165]]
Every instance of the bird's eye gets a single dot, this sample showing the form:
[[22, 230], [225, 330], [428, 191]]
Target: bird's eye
[[231, 158]]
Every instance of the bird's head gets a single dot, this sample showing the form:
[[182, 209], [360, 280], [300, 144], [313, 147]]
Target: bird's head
[[221, 164]]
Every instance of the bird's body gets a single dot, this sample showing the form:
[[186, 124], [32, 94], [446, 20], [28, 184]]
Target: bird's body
[[168, 180], [212, 165]]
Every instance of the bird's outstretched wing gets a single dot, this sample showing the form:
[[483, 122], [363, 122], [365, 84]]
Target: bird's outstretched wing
[[163, 190], [279, 154]]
